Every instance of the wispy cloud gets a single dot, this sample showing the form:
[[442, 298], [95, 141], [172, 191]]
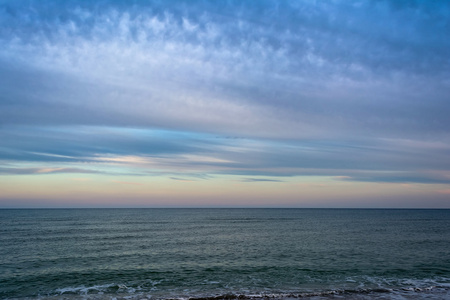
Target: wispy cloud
[[260, 180], [400, 179], [148, 152], [29, 171], [201, 89], [181, 179]]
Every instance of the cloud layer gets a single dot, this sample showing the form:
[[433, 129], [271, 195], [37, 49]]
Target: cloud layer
[[352, 90], [290, 69]]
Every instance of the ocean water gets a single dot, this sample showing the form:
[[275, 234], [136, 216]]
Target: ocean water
[[224, 254]]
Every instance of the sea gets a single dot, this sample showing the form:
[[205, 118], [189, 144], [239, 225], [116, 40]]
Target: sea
[[211, 254]]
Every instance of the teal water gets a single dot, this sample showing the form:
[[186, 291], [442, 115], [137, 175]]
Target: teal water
[[224, 253]]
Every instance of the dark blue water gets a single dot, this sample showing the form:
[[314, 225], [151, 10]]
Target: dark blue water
[[225, 253]]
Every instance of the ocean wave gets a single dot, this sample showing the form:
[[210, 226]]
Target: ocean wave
[[96, 289], [378, 293], [117, 291]]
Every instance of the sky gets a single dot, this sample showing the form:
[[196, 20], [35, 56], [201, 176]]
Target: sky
[[225, 103]]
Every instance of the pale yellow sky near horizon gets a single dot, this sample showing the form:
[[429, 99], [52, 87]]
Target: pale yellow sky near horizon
[[92, 190]]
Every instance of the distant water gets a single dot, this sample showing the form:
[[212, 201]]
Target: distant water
[[224, 253]]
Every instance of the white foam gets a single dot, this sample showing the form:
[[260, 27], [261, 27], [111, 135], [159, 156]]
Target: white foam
[[83, 290], [355, 287]]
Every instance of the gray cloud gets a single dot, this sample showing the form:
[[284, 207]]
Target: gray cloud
[[181, 155], [181, 179], [77, 144], [401, 179], [260, 180], [291, 69], [32, 171], [346, 89]]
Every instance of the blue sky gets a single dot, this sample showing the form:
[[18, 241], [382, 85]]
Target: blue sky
[[225, 103]]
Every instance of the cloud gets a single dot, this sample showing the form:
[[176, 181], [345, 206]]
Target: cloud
[[181, 179], [30, 171], [83, 144], [406, 178], [260, 180], [292, 70], [156, 89], [147, 152]]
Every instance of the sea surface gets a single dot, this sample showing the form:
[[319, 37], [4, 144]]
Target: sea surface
[[224, 254]]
